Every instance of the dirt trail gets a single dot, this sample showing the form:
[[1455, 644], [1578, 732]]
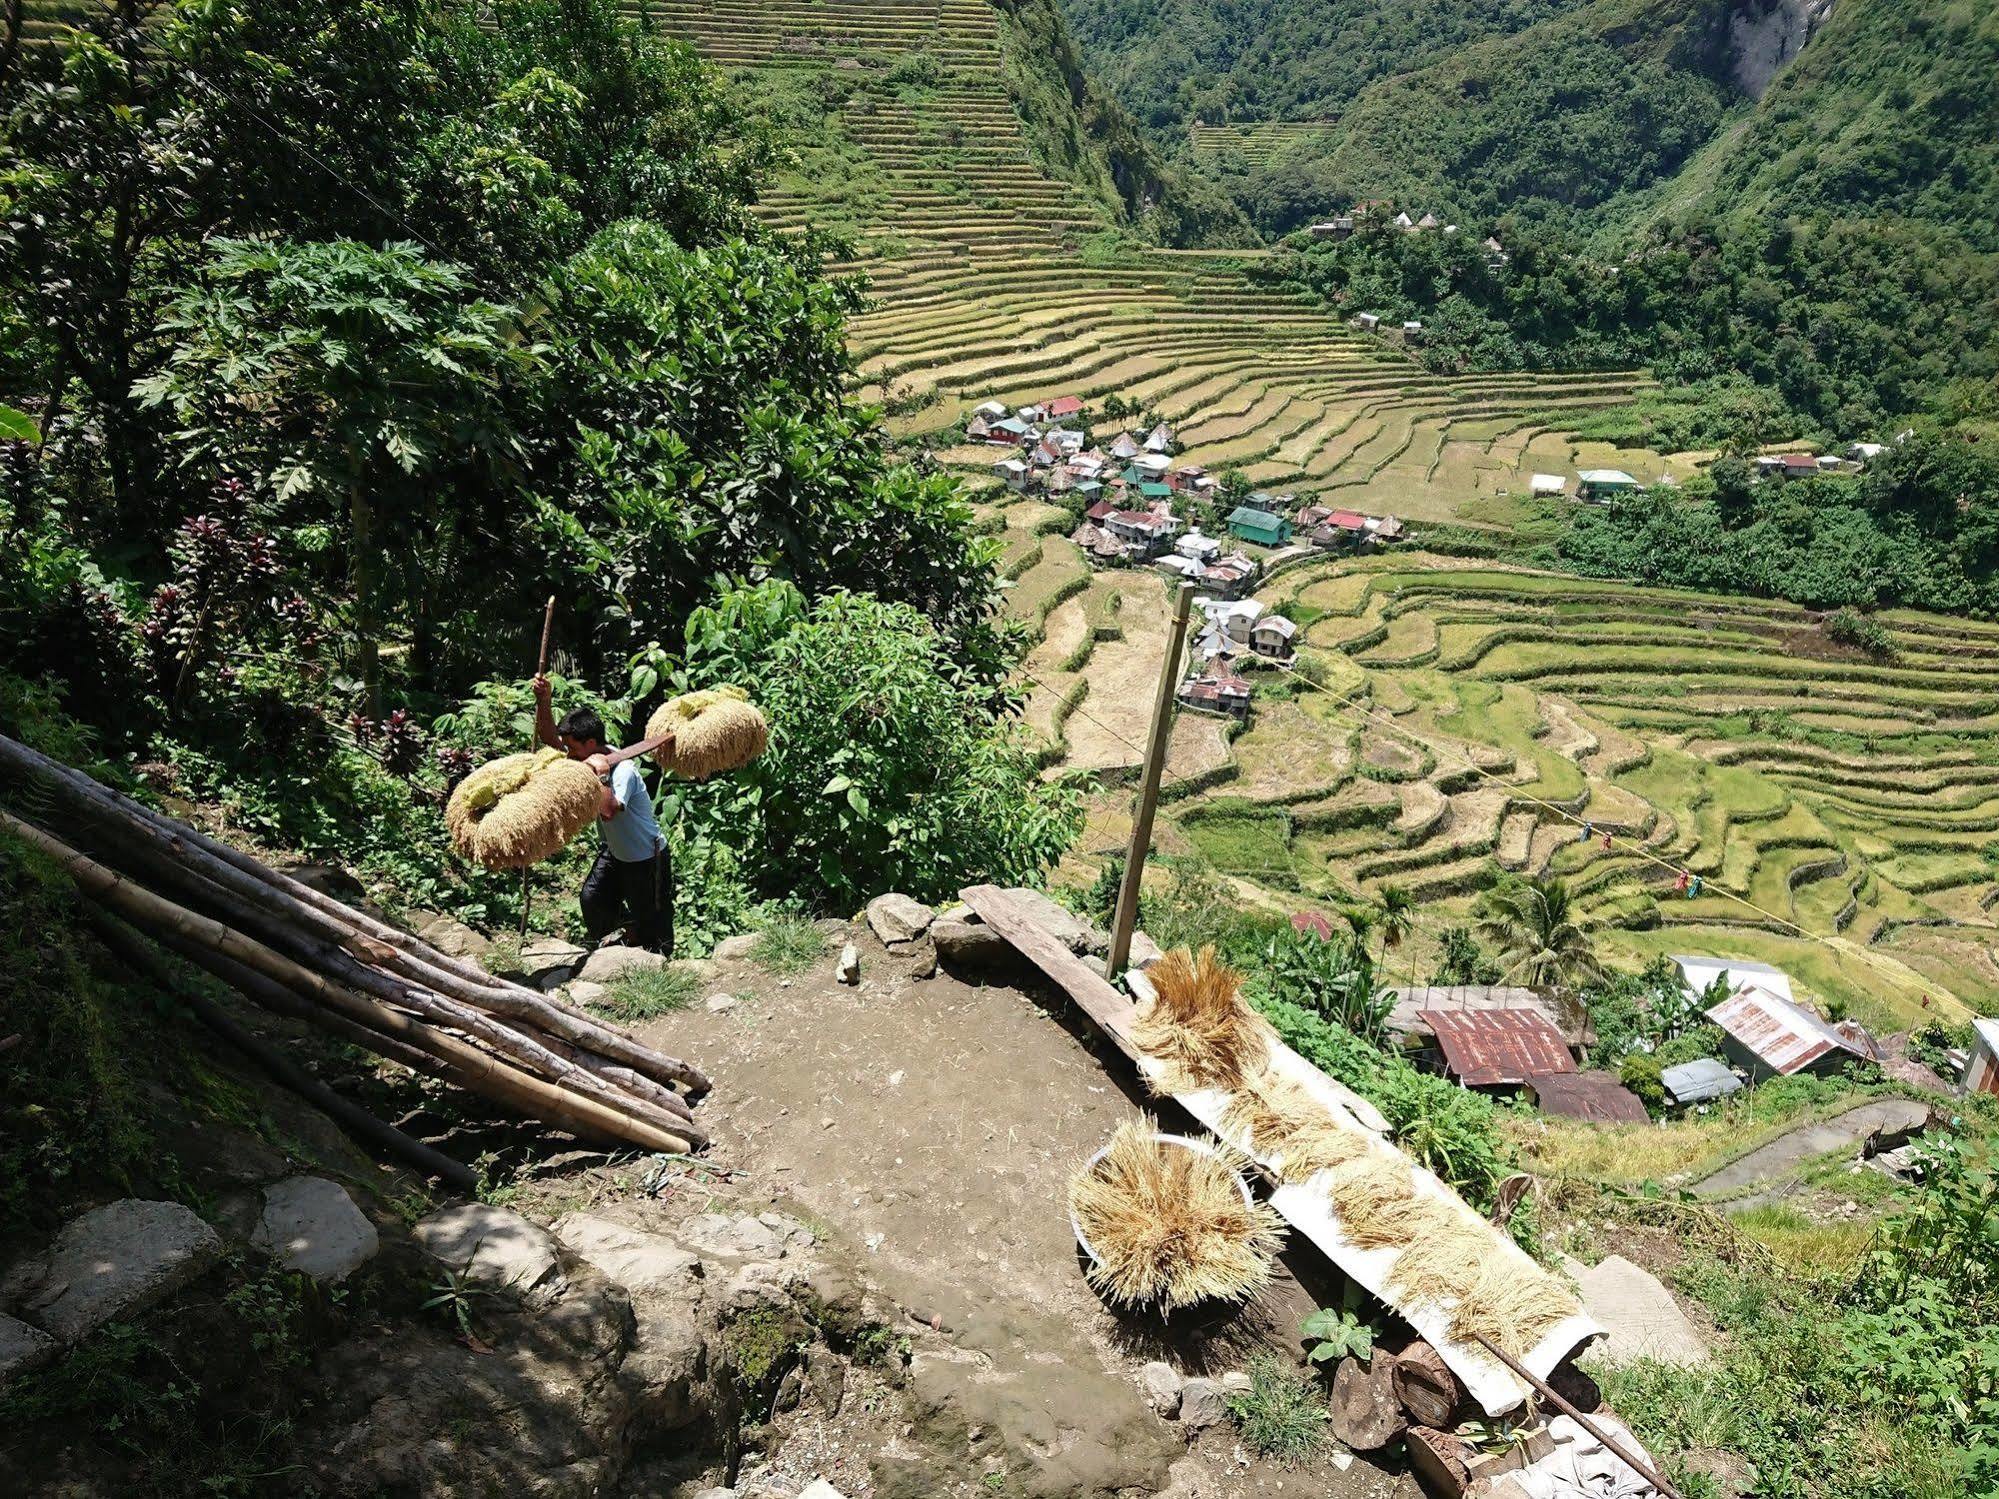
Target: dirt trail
[[931, 1126], [1787, 1152]]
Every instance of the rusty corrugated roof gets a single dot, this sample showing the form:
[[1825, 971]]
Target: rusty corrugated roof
[[1588, 1095], [1785, 1037], [1487, 1047]]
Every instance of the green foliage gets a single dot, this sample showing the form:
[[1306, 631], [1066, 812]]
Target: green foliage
[[1932, 1044], [1538, 939], [1336, 1333], [1282, 1414], [890, 766], [1461, 959], [1918, 1319], [1851, 628], [1333, 977], [456, 1298], [1640, 1073]]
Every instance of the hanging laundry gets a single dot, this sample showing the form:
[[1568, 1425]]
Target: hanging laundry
[[1586, 832], [1694, 887]]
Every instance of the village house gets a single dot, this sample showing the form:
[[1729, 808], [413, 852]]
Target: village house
[[1547, 486], [1031, 413], [1981, 1066], [978, 429], [1367, 322], [1336, 228], [1596, 486], [1499, 1048], [1144, 534], [1703, 1080], [1063, 406], [992, 411], [1201, 548], [1159, 439], [1765, 1031], [1013, 473], [1259, 499], [1412, 331], [1227, 577], [1273, 636], [1089, 491], [1216, 690], [1190, 478], [1044, 454], [1799, 465], [1099, 544], [1124, 447], [1088, 465], [1152, 466], [1230, 625], [1012, 430], [1259, 526]]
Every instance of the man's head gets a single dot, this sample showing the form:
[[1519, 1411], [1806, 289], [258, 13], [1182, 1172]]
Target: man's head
[[582, 734]]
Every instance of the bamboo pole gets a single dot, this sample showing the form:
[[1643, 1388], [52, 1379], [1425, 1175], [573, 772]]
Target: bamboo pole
[[361, 935], [1126, 916], [143, 958], [475, 1069]]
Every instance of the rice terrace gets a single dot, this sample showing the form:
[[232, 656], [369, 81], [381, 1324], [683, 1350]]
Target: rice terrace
[[999, 749]]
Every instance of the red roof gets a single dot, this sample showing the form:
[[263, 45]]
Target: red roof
[[1346, 520], [1588, 1095], [1487, 1047], [1101, 509], [1142, 518], [1064, 406], [1314, 922]]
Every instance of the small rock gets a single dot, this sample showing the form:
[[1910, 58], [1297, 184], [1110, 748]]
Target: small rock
[[924, 964], [1161, 1383], [636, 1260], [848, 970], [113, 1261], [549, 962], [583, 992], [1235, 1382], [22, 1348], [1202, 1405], [715, 1494], [492, 1246], [897, 919], [730, 1238], [819, 1488], [735, 949], [717, 1003], [311, 1225], [790, 1390], [609, 964], [895, 1078], [1144, 951]]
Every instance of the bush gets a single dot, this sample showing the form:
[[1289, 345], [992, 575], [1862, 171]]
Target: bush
[[1640, 1073]]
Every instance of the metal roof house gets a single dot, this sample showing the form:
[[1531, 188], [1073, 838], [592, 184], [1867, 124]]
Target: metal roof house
[[1698, 973], [1981, 1068], [1595, 1096], [1598, 484], [1771, 1037], [1700, 1081], [1547, 486], [1498, 1048], [1259, 526], [1407, 1019]]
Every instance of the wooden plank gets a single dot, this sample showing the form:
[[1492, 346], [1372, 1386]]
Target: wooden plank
[[1112, 1011]]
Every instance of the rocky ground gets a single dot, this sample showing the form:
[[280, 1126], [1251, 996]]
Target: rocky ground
[[867, 1287]]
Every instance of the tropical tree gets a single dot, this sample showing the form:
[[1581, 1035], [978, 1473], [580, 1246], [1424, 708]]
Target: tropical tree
[[1540, 942]]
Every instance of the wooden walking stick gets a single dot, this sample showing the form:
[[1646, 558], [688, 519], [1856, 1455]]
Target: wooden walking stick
[[540, 670]]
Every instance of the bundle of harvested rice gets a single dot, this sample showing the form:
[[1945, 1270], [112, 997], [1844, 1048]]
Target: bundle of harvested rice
[[519, 809], [1513, 1303], [1200, 1027], [1167, 1224], [713, 730], [1375, 1199], [1283, 1120]]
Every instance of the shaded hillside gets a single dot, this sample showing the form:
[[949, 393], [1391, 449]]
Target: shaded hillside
[[1215, 60], [1892, 111]]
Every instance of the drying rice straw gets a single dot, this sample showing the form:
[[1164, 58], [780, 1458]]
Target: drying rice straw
[[519, 809], [1284, 1121], [1199, 1027], [1168, 1225], [1513, 1304]]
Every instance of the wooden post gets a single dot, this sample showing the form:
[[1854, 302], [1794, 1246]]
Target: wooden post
[[1148, 791], [540, 669]]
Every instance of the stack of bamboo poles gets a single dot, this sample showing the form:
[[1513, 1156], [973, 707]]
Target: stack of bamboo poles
[[296, 951]]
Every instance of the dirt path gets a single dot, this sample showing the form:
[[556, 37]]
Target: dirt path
[[930, 1127], [1787, 1152]]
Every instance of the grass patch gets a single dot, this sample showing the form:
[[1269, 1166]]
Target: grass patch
[[1807, 1247], [788, 945], [1282, 1414], [641, 996]]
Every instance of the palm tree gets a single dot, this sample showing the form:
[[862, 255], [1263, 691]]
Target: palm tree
[[1394, 914], [1540, 944]]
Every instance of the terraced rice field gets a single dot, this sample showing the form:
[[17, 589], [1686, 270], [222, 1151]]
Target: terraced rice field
[[1254, 141], [992, 279], [1839, 808]]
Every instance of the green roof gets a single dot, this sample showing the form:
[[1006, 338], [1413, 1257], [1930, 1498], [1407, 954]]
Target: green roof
[[1247, 519], [1155, 491]]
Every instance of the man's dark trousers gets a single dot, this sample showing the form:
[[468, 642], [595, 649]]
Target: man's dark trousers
[[637, 896]]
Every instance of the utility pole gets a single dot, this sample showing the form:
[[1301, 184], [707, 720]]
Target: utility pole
[[1148, 791]]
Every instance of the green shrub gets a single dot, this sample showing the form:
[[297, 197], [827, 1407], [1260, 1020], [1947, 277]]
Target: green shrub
[[1282, 1414], [1640, 1073]]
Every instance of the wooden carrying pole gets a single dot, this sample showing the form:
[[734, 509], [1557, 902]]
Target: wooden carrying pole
[[534, 742], [1555, 1398], [1148, 791]]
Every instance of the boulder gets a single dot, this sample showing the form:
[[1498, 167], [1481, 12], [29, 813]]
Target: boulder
[[454, 938], [848, 969], [1144, 951], [636, 1260], [1235, 1383], [667, 1368], [492, 1246], [1064, 925], [22, 1348], [731, 1238], [737, 949], [1202, 1404], [311, 1225], [582, 992], [715, 1004], [1161, 1383], [1639, 1316], [112, 1262], [819, 1488], [896, 919], [609, 964]]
